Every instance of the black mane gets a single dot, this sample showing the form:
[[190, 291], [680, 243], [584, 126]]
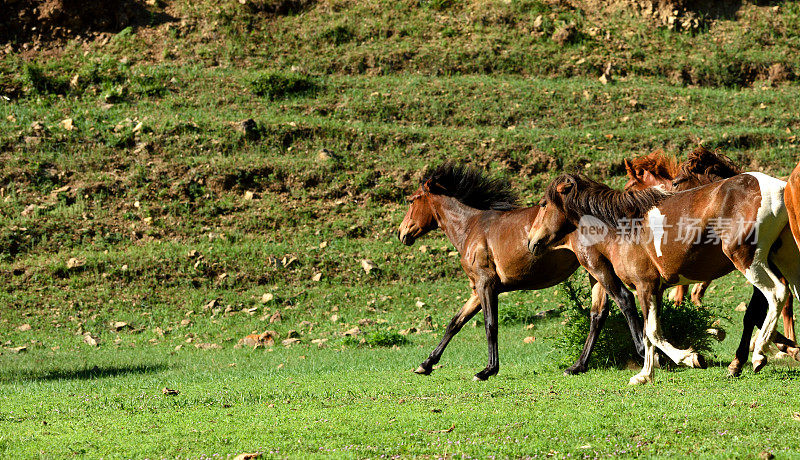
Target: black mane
[[587, 197], [471, 187]]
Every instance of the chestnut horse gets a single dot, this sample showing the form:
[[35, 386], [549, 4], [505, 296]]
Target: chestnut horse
[[480, 217], [651, 239], [701, 167]]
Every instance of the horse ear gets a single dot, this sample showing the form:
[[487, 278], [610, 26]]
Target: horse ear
[[629, 168]]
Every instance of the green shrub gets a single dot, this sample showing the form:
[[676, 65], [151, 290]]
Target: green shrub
[[277, 85], [683, 325], [337, 35], [380, 338], [41, 83]]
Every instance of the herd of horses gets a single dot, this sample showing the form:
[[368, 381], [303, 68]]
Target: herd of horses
[[672, 225]]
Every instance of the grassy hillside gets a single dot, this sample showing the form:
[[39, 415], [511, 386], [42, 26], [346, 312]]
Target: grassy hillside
[[132, 191]]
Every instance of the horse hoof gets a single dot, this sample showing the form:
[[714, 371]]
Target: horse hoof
[[794, 352], [574, 370], [698, 361], [759, 363], [734, 368], [639, 379], [423, 371], [478, 378]]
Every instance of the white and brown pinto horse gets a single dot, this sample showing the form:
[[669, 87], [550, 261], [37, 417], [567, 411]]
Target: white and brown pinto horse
[[739, 223], [481, 219]]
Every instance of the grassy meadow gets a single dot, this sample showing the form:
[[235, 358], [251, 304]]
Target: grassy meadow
[[145, 229]]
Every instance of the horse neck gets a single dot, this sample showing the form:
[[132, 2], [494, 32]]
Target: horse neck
[[453, 218]]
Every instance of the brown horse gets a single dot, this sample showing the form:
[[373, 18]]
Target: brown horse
[[701, 167], [652, 239], [480, 217]]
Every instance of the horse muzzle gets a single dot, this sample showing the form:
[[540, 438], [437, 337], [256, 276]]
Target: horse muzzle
[[406, 237]]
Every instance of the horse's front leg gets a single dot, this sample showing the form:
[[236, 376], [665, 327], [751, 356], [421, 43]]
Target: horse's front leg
[[488, 297], [459, 320], [597, 317], [650, 295]]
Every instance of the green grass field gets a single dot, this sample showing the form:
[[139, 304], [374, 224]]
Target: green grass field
[[129, 192]]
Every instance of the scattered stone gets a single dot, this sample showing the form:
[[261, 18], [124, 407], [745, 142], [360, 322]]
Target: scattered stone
[[289, 342], [368, 266], [352, 332], [320, 343], [267, 297], [275, 318], [170, 391], [119, 325], [366, 322], [25, 327], [565, 34], [742, 306], [208, 346], [317, 277], [717, 332], [537, 23], [334, 318], [193, 254], [90, 340], [420, 304], [247, 455], [265, 339], [18, 350], [250, 195], [185, 322], [411, 330], [766, 455], [67, 124], [326, 155], [211, 305], [529, 339], [30, 209], [74, 262]]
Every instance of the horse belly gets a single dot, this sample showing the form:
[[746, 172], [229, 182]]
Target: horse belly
[[526, 272]]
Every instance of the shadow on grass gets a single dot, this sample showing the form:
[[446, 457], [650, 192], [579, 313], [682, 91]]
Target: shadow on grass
[[95, 372]]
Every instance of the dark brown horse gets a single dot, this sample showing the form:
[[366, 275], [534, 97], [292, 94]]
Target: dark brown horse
[[652, 239], [701, 167], [481, 219]]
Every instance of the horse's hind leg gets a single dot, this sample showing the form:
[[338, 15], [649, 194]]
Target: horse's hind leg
[[597, 317], [650, 300], [775, 292], [488, 297], [788, 319], [698, 292], [465, 314]]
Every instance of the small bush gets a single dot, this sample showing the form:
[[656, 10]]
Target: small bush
[[336, 35], [377, 339], [42, 83], [276, 85], [683, 325]]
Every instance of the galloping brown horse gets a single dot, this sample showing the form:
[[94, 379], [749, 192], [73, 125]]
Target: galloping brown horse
[[701, 167], [481, 219], [739, 222]]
